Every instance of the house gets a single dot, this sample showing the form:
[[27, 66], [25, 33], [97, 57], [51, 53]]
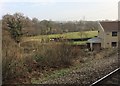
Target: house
[[107, 35]]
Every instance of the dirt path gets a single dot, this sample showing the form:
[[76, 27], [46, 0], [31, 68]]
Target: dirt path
[[87, 73]]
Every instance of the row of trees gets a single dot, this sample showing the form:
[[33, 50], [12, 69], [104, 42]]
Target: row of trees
[[19, 25], [46, 27]]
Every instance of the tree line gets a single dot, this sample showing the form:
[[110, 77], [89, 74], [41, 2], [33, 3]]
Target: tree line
[[20, 25]]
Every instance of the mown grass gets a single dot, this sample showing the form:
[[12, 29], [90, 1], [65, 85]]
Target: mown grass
[[70, 35]]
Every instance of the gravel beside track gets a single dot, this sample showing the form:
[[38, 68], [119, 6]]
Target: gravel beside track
[[88, 72]]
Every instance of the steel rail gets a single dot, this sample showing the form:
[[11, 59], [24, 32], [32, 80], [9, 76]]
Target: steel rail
[[105, 77]]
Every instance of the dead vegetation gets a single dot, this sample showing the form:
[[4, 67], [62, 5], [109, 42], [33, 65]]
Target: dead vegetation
[[52, 55], [21, 63], [12, 62]]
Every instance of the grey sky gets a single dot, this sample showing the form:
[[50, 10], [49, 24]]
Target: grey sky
[[63, 10]]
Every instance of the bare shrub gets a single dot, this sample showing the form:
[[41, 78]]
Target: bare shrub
[[52, 55], [13, 67]]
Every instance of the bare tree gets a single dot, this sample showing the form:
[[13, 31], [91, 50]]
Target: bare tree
[[14, 24]]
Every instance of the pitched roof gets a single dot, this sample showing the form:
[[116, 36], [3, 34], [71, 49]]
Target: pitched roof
[[109, 26]]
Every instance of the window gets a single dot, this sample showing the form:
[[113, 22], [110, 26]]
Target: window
[[114, 44], [114, 33]]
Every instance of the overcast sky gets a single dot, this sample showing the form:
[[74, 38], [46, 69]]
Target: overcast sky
[[62, 10]]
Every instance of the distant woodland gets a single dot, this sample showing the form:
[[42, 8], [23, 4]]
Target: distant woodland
[[34, 26]]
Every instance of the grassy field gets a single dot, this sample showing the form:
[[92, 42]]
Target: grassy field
[[70, 35], [79, 43]]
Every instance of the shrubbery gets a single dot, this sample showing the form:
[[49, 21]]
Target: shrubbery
[[13, 68], [51, 55], [54, 55], [18, 65]]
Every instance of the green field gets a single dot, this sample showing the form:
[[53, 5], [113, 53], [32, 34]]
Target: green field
[[70, 35]]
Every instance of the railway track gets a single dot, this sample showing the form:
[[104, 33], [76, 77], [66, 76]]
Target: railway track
[[111, 79]]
